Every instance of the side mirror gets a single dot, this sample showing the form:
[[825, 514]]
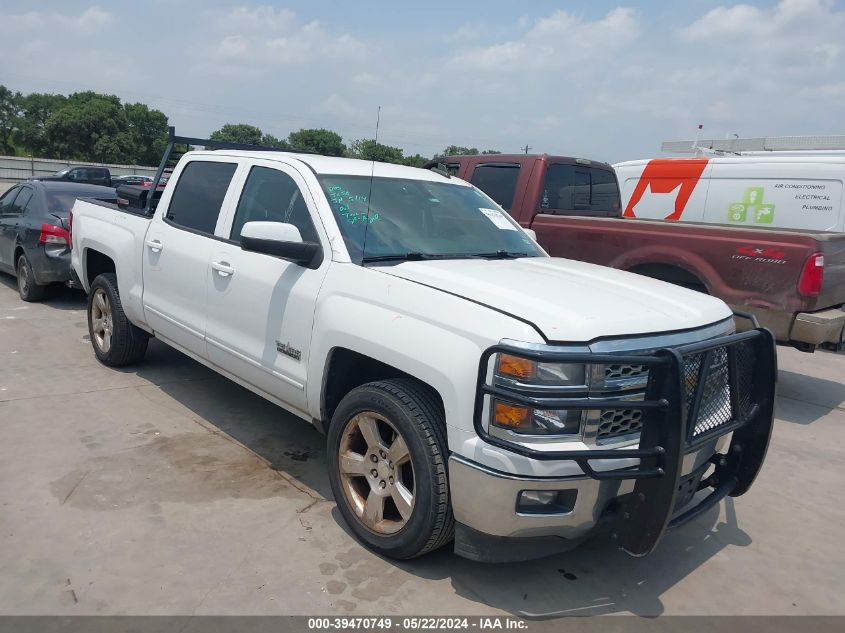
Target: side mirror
[[281, 240]]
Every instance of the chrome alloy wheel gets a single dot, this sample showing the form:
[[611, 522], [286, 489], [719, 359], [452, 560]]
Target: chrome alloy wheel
[[376, 473], [101, 320]]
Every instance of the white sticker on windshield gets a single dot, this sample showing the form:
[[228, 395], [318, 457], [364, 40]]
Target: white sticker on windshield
[[498, 218]]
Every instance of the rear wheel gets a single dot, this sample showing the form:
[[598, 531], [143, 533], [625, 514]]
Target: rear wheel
[[28, 288], [387, 467], [116, 341]]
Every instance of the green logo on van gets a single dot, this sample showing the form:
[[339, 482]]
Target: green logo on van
[[752, 201]]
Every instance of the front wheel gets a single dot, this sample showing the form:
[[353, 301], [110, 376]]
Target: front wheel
[[387, 467], [116, 341]]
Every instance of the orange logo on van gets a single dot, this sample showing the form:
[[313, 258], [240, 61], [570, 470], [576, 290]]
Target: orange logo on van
[[664, 175]]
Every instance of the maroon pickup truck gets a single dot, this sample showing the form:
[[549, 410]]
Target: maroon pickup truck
[[792, 281]]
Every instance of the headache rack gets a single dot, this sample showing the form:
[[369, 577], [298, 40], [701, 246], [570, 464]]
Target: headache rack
[[145, 199], [695, 393]]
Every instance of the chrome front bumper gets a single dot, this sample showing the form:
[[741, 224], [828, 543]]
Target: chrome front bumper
[[486, 500]]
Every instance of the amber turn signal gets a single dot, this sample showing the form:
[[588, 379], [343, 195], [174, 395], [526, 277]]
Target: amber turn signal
[[516, 367], [511, 416]]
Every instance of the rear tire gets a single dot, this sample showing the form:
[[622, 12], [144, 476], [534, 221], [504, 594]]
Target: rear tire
[[387, 467], [116, 341], [28, 288]]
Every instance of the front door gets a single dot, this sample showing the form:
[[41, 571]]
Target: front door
[[261, 307], [177, 249]]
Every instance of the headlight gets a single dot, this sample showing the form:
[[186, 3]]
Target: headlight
[[529, 421], [536, 373], [517, 372]]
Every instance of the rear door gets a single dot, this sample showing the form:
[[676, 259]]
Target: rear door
[[177, 249], [10, 225], [7, 219], [579, 189], [261, 307]]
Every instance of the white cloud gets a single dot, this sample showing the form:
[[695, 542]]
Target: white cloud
[[365, 79], [265, 37], [91, 20], [796, 32], [261, 18], [559, 40]]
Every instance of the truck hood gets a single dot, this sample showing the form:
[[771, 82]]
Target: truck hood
[[567, 300]]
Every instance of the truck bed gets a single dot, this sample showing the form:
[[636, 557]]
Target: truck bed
[[747, 267], [118, 232]]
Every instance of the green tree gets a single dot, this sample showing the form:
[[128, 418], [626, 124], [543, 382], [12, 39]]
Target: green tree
[[90, 126], [458, 150], [268, 140], [370, 149], [319, 141], [148, 129], [35, 109], [238, 133], [416, 160], [491, 151], [9, 118]]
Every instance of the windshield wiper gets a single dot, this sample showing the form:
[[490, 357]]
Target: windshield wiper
[[500, 254], [400, 257]]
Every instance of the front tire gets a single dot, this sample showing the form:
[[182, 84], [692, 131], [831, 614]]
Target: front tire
[[116, 341], [28, 289], [387, 467]]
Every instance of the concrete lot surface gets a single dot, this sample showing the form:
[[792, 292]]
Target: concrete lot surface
[[165, 489]]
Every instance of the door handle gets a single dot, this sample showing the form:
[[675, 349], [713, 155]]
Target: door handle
[[155, 246], [223, 269]]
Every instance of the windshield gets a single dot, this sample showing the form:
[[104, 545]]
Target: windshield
[[62, 172], [421, 219]]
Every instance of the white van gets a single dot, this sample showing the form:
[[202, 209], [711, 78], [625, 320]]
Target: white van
[[764, 191]]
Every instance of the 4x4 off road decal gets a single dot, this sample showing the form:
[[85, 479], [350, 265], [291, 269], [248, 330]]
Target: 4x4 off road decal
[[664, 175], [752, 201]]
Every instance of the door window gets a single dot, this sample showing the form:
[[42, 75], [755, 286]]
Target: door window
[[7, 199], [21, 201], [498, 181], [78, 174], [199, 195], [579, 188], [271, 195]]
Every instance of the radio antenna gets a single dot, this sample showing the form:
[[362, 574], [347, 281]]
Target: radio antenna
[[370, 193]]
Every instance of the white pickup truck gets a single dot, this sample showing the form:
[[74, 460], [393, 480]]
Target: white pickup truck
[[472, 389]]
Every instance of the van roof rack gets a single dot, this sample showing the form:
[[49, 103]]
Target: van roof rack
[[760, 144]]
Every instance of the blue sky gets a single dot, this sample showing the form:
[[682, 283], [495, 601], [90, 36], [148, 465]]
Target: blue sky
[[606, 80]]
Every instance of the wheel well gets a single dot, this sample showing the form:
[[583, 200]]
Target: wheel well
[[672, 274], [96, 264], [18, 253], [347, 369]]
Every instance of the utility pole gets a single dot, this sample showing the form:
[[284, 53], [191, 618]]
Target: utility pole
[[526, 148]]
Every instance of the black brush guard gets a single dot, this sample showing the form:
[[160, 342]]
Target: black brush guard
[[678, 418]]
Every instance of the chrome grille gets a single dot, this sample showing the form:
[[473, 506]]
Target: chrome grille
[[614, 372], [619, 422]]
